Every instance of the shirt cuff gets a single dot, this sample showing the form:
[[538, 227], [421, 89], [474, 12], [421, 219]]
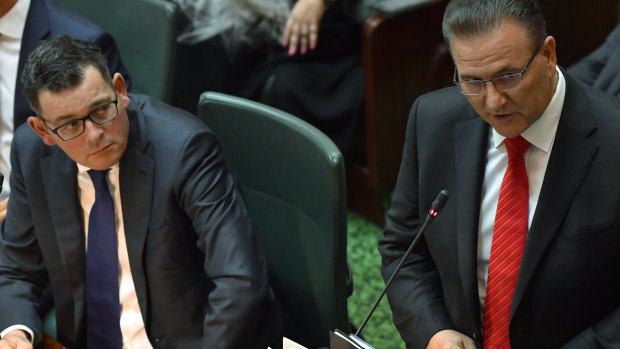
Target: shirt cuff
[[18, 327]]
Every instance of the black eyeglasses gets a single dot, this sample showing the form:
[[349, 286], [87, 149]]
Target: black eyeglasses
[[502, 83], [75, 128]]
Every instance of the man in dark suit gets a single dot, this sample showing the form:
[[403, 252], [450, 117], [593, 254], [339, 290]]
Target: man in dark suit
[[562, 282], [191, 273], [601, 68], [41, 20]]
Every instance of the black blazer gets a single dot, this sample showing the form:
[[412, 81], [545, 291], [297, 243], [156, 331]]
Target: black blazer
[[46, 21], [601, 68], [200, 277], [567, 293]]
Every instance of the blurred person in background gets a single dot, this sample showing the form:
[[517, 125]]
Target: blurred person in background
[[303, 57]]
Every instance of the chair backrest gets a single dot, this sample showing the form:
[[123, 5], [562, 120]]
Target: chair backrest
[[292, 177], [145, 32]]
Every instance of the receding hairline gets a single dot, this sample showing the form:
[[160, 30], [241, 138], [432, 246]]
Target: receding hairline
[[532, 41], [465, 19]]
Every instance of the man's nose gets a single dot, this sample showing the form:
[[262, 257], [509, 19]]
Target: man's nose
[[92, 130], [494, 98]]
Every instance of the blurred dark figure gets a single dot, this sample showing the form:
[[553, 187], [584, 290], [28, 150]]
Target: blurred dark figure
[[601, 68]]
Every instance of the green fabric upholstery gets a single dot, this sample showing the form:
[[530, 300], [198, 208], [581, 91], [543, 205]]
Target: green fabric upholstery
[[49, 323], [292, 177], [145, 32]]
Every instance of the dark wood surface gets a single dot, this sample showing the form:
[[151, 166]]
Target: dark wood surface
[[403, 57], [51, 343]]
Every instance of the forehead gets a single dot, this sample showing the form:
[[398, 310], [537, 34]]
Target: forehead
[[505, 48], [76, 100]]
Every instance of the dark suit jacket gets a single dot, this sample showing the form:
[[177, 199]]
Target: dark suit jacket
[[601, 68], [199, 274], [46, 21], [567, 293]]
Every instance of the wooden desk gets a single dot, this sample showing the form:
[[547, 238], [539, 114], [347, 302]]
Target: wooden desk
[[51, 343]]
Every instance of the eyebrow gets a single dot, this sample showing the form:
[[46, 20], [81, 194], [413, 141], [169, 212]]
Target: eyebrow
[[501, 72], [93, 105]]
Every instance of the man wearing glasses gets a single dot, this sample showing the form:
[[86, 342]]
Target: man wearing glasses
[[23, 25], [125, 207], [525, 252]]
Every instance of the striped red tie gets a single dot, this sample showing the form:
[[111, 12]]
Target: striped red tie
[[507, 246]]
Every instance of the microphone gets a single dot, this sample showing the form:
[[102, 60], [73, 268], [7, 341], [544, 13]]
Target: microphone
[[437, 205], [1, 181]]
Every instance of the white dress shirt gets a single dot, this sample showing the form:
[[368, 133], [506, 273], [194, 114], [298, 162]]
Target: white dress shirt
[[541, 135], [11, 31]]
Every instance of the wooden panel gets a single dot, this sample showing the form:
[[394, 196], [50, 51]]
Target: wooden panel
[[403, 57], [579, 26]]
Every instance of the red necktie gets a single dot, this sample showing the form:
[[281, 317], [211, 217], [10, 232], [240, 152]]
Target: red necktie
[[507, 247]]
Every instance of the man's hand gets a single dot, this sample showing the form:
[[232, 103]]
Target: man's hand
[[3, 205], [16, 339], [449, 339]]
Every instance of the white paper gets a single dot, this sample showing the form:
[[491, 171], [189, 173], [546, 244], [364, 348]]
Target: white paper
[[289, 344]]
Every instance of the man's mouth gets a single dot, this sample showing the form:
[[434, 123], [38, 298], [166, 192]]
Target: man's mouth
[[101, 149]]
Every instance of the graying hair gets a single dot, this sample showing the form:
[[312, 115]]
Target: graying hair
[[466, 19]]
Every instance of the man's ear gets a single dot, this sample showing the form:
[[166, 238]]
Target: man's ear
[[121, 89], [39, 127], [548, 51]]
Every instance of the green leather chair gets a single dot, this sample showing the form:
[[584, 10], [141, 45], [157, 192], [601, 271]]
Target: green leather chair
[[292, 177], [145, 32]]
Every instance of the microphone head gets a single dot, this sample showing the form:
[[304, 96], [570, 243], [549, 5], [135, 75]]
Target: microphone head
[[440, 201]]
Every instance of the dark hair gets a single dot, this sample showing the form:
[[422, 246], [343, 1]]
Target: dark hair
[[58, 65], [466, 19]]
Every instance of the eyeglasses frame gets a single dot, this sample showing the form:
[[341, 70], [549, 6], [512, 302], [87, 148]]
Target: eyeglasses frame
[[520, 74], [83, 119]]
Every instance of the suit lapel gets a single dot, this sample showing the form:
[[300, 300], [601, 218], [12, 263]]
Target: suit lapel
[[60, 183], [470, 157], [136, 185], [571, 156]]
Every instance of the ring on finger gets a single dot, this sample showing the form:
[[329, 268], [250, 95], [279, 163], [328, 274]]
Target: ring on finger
[[303, 32]]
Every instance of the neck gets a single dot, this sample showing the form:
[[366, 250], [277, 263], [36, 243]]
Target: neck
[[6, 6], [554, 83]]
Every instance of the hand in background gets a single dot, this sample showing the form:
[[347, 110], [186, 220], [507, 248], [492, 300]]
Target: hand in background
[[3, 206], [449, 339], [16, 339], [302, 26]]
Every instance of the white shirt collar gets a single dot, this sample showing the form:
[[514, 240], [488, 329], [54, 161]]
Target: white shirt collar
[[13, 22], [84, 169], [542, 133]]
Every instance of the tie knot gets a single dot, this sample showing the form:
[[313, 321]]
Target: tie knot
[[99, 178], [516, 146]]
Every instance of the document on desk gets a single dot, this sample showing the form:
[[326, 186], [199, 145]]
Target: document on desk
[[289, 344]]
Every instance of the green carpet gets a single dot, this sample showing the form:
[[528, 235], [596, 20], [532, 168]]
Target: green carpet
[[365, 263]]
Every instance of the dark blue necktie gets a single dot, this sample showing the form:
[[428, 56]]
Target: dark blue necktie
[[103, 309]]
